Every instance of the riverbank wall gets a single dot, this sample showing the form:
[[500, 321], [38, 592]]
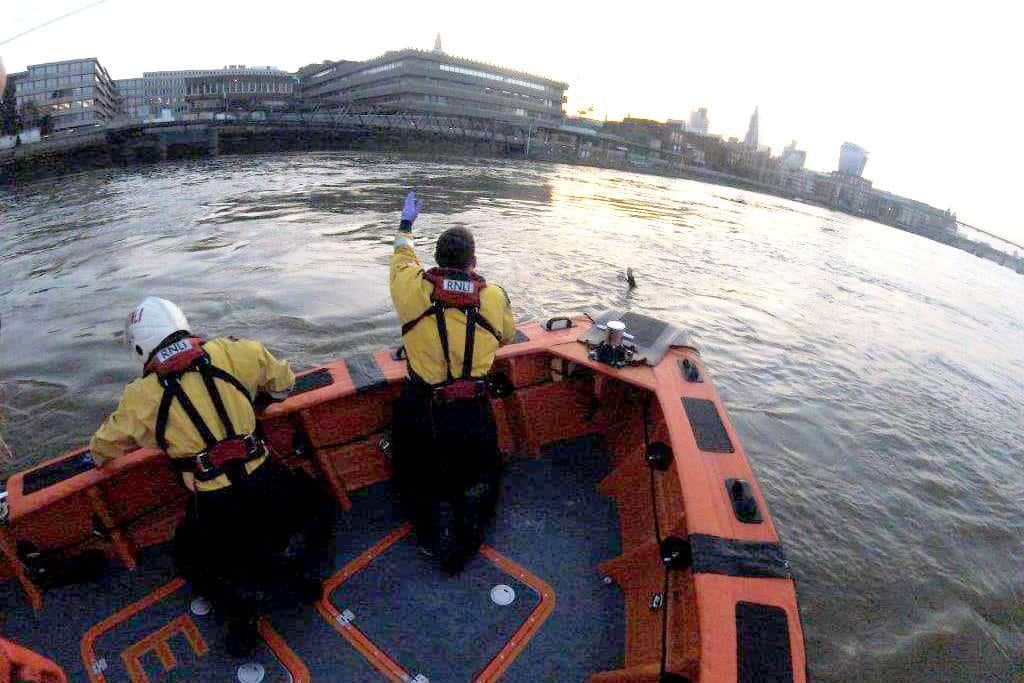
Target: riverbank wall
[[130, 146]]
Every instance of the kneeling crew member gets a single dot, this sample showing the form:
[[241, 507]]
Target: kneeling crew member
[[253, 526], [446, 459]]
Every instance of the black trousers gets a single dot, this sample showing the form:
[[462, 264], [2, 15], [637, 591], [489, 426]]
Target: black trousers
[[447, 470], [244, 546]]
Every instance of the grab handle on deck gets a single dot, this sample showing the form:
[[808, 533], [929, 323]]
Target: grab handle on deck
[[744, 505], [550, 324]]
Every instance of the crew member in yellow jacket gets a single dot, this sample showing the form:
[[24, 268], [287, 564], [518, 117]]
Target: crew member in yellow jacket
[[446, 459], [253, 529]]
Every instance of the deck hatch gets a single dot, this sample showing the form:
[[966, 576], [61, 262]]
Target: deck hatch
[[364, 372], [707, 425], [404, 603], [762, 644]]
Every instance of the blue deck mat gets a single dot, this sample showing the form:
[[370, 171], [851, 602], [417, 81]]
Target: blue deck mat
[[444, 627], [555, 523], [551, 521], [203, 659]]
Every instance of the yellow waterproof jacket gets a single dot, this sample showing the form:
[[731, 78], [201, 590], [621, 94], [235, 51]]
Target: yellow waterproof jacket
[[411, 296], [133, 424]]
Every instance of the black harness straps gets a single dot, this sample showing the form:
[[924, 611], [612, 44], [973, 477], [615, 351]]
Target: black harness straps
[[173, 390], [473, 319]]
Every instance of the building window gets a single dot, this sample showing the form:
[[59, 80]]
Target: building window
[[379, 69], [493, 77]]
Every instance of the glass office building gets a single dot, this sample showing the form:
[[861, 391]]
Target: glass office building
[[74, 93], [434, 82]]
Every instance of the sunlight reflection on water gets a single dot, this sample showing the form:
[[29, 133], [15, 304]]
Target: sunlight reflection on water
[[876, 377]]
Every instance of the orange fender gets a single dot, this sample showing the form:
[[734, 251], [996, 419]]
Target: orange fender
[[19, 665]]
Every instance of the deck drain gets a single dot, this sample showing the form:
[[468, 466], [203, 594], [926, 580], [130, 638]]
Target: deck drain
[[253, 672], [200, 606], [502, 595]]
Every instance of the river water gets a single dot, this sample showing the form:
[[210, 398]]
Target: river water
[[876, 378]]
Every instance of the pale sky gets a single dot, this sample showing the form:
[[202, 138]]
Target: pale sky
[[931, 90]]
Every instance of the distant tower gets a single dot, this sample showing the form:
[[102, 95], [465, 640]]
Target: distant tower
[[852, 159], [751, 138], [437, 43], [699, 121], [793, 159]]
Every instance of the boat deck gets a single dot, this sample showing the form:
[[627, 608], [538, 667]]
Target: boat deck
[[387, 612]]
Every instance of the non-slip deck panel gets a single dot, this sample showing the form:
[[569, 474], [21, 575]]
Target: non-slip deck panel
[[554, 522], [310, 381], [762, 644], [69, 611], [54, 473], [547, 503], [645, 329], [707, 426], [444, 627], [750, 559], [364, 372], [164, 641]]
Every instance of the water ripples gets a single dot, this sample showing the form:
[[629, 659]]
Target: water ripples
[[876, 378]]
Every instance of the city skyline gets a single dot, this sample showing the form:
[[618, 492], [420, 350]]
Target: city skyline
[[794, 65]]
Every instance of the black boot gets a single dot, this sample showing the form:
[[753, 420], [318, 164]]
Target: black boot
[[243, 636], [449, 550], [307, 589]]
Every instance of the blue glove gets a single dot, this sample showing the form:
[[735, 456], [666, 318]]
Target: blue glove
[[411, 208]]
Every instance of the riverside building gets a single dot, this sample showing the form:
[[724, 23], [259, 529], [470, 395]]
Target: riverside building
[[133, 98], [434, 82], [168, 90], [74, 93], [241, 90]]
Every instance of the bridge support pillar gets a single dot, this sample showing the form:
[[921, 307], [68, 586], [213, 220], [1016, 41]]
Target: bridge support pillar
[[161, 150], [213, 142]]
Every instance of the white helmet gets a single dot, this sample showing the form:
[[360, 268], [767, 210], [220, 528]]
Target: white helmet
[[150, 323]]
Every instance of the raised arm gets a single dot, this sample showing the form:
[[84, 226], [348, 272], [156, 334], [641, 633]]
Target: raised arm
[[406, 271]]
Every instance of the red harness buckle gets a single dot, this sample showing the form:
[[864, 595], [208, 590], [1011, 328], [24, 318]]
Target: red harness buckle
[[210, 463], [460, 390]]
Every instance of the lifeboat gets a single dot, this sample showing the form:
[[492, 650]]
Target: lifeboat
[[632, 541]]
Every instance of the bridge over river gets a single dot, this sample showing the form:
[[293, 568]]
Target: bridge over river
[[129, 142]]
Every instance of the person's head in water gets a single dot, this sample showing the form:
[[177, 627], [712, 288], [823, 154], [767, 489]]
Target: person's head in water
[[456, 249]]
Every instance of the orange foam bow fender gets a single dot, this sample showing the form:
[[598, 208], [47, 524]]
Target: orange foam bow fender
[[19, 664]]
